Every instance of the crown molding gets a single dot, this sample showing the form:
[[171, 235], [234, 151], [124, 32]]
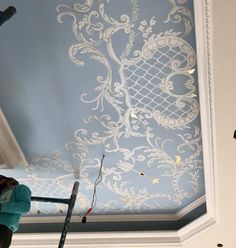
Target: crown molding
[[10, 151], [204, 39], [171, 239], [119, 218], [107, 239]]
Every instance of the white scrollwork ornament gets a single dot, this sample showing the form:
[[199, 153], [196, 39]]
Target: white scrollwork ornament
[[147, 81]]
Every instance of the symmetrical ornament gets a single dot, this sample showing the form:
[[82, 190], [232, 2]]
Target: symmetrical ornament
[[145, 108]]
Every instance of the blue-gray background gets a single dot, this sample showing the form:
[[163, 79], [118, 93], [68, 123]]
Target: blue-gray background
[[149, 166]]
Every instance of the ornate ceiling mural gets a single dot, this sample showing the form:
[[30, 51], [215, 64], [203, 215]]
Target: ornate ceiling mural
[[119, 78]]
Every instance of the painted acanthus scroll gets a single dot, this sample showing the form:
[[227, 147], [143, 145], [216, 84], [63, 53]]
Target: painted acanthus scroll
[[131, 117], [180, 13]]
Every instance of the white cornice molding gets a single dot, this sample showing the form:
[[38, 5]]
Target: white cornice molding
[[10, 151], [171, 239], [94, 240], [204, 38], [119, 218]]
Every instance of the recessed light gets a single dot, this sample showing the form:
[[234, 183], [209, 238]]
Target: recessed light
[[234, 134], [220, 245]]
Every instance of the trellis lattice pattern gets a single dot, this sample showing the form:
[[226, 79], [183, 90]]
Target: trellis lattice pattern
[[49, 188], [144, 78]]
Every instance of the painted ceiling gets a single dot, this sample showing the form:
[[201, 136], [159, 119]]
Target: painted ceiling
[[80, 79]]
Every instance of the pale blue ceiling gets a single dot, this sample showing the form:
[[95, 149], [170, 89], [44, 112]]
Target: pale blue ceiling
[[127, 91]]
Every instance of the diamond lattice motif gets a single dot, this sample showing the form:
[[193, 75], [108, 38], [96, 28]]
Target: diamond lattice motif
[[144, 79]]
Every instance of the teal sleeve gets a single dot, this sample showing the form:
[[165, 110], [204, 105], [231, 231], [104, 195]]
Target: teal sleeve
[[21, 204]]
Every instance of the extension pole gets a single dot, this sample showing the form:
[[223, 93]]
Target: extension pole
[[7, 14], [70, 202], [69, 213], [49, 199]]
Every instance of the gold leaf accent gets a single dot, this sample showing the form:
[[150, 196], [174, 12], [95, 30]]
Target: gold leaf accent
[[178, 160], [155, 180]]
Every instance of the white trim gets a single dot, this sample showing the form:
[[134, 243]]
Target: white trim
[[3, 166], [203, 25], [119, 218], [189, 208], [10, 150], [192, 229], [204, 40], [92, 240]]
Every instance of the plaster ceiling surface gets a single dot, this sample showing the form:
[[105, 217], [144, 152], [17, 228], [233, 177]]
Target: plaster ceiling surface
[[80, 79]]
